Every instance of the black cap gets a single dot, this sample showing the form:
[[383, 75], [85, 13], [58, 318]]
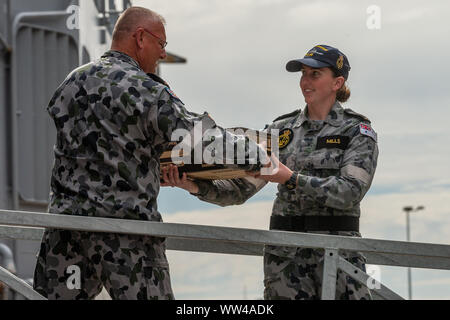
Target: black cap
[[322, 56]]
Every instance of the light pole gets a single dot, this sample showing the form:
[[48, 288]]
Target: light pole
[[408, 210]]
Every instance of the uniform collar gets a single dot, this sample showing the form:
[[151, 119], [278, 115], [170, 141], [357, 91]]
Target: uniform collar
[[334, 118], [336, 115], [302, 117], [126, 58], [121, 56], [158, 79]]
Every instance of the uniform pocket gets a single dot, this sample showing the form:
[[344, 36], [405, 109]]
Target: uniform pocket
[[327, 159]]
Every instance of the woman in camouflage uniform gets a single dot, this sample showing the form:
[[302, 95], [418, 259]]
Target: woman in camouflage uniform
[[328, 157]]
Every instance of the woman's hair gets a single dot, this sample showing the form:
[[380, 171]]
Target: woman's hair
[[343, 93]]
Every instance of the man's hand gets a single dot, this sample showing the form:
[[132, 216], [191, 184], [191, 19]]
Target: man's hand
[[274, 171], [172, 178]]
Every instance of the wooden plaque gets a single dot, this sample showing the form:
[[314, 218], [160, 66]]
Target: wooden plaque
[[215, 171]]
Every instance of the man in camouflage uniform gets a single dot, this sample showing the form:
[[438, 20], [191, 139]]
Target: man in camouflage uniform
[[330, 165], [114, 117]]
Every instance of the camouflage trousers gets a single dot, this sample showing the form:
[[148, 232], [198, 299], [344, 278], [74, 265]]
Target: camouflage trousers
[[299, 276], [76, 265]]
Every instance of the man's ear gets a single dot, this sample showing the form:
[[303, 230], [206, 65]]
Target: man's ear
[[139, 38]]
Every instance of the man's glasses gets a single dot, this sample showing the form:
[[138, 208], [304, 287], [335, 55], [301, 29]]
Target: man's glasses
[[162, 43]]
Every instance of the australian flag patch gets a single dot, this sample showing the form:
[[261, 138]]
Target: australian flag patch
[[367, 130], [173, 95]]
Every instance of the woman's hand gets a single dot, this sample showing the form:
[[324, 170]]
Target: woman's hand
[[274, 171], [172, 178]]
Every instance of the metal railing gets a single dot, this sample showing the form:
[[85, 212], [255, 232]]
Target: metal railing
[[201, 238]]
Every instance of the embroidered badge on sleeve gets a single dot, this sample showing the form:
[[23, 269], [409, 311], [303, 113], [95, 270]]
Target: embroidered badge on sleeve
[[366, 130]]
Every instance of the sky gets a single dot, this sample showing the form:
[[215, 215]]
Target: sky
[[236, 53]]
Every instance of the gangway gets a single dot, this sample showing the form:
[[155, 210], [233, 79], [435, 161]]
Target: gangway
[[201, 238]]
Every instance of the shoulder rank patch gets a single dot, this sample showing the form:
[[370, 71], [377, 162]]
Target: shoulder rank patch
[[329, 142], [291, 114], [172, 94], [353, 113], [157, 79], [285, 138], [367, 130]]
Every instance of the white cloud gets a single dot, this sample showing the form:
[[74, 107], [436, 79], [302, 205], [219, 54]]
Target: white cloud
[[406, 13], [251, 215], [219, 276], [413, 161], [383, 216], [313, 11], [434, 282]]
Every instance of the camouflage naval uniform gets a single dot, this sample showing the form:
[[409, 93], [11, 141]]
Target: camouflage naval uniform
[[113, 122], [336, 160]]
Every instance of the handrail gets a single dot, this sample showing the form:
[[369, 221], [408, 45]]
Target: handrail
[[19, 285], [7, 257], [212, 246], [237, 241], [228, 234]]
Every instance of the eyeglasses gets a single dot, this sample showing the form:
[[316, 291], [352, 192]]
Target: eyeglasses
[[162, 43]]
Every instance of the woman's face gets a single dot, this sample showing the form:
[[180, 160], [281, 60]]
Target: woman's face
[[319, 86]]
